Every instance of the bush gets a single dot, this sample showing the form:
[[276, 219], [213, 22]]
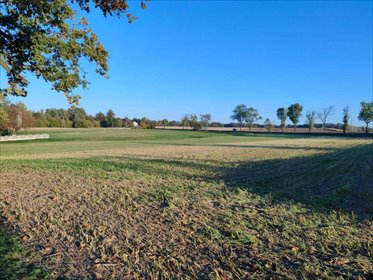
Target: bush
[[197, 127], [6, 131]]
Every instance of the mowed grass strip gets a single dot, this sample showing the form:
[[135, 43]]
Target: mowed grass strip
[[296, 211], [93, 140]]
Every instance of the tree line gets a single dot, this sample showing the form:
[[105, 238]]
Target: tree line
[[248, 116], [16, 116]]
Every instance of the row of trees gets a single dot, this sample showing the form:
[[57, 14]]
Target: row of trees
[[196, 123], [16, 116], [248, 115]]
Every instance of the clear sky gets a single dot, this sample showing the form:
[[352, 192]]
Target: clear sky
[[208, 56]]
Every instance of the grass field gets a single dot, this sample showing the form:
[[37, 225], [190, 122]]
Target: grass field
[[125, 204]]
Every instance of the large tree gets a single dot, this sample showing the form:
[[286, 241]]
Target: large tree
[[294, 113], [282, 115], [46, 39], [366, 114], [239, 114], [252, 115]]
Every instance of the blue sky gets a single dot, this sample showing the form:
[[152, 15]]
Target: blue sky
[[208, 56]]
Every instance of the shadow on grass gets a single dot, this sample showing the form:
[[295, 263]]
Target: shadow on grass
[[341, 179], [12, 260], [338, 180], [276, 147]]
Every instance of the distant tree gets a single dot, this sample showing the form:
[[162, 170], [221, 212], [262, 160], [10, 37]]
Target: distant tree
[[194, 123], [205, 120], [174, 123], [282, 115], [100, 117], [346, 118], [294, 113], [252, 115], [239, 114], [185, 121], [323, 116], [77, 116], [216, 124], [126, 122], [144, 123], [64, 116], [310, 120], [110, 117], [366, 114], [268, 125], [3, 119], [3, 115], [18, 116], [40, 120], [164, 123]]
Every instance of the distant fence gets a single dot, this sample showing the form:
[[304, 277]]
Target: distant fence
[[23, 137]]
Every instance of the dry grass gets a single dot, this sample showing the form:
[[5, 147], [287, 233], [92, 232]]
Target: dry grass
[[279, 209]]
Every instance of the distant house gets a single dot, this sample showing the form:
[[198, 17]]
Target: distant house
[[135, 125]]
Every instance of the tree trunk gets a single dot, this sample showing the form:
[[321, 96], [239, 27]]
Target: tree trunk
[[367, 128], [295, 127]]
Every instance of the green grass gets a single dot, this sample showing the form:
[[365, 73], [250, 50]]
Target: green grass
[[13, 260], [297, 208], [72, 140]]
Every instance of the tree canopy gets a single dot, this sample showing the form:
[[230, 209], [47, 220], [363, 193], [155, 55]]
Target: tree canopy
[[366, 113], [46, 39], [239, 114], [294, 113], [282, 115], [252, 115]]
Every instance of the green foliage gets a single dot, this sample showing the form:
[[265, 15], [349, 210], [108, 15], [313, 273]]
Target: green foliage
[[366, 113], [310, 120], [252, 115], [165, 122], [47, 40], [12, 260], [282, 115], [294, 113], [110, 118], [3, 118], [205, 120], [346, 118], [194, 123], [291, 210], [239, 114]]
